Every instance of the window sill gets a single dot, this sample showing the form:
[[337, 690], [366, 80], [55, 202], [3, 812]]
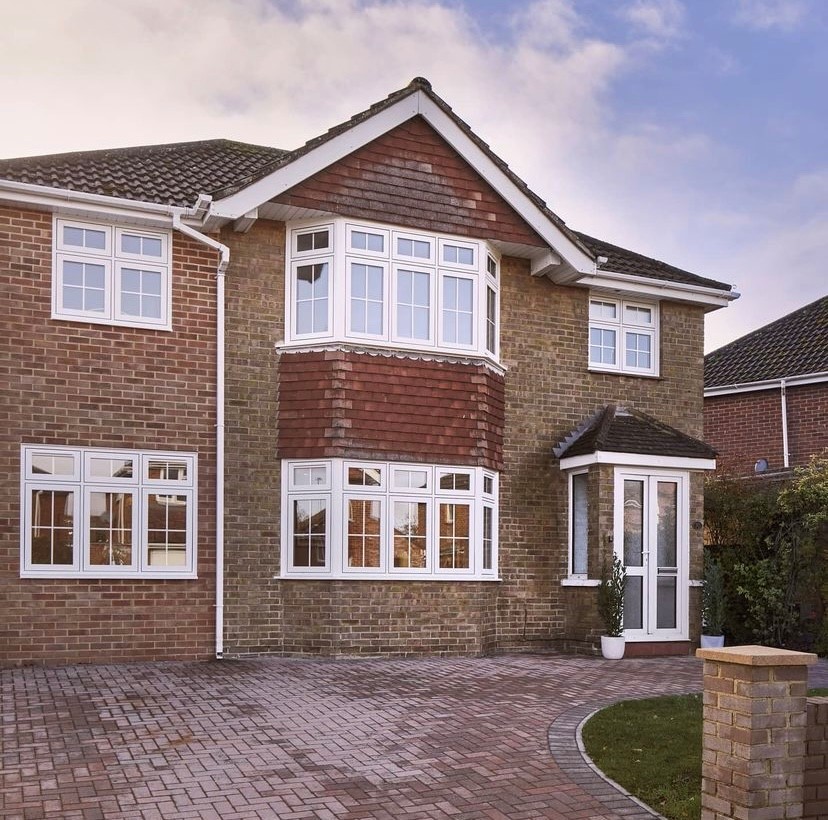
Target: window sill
[[631, 373], [110, 576], [580, 582], [401, 577], [392, 350], [94, 320]]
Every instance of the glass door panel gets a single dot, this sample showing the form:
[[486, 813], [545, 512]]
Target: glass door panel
[[634, 554], [667, 555]]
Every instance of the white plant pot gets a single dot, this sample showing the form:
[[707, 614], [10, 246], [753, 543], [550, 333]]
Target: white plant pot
[[712, 641], [612, 648]]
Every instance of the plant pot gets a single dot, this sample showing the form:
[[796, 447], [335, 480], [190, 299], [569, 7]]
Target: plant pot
[[612, 648], [712, 641]]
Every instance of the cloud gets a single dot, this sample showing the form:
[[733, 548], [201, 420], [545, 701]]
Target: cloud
[[785, 15], [660, 19]]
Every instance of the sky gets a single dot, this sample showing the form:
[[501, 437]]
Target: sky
[[693, 131]]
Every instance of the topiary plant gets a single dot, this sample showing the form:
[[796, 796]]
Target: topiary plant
[[713, 597], [611, 597]]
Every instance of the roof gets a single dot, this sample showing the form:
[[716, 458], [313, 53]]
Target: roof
[[171, 174], [616, 429], [620, 260], [795, 345], [176, 173]]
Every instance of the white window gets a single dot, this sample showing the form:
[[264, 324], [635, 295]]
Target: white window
[[578, 524], [623, 336], [383, 520], [390, 288], [111, 275], [107, 513]]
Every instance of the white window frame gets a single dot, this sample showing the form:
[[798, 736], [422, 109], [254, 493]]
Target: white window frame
[[650, 478], [571, 526], [113, 261], [342, 255], [621, 328], [82, 484], [339, 492]]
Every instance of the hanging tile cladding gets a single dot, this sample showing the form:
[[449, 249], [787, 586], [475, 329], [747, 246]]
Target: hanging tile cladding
[[411, 176], [353, 405]]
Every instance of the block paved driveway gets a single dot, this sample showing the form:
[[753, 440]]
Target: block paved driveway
[[287, 738]]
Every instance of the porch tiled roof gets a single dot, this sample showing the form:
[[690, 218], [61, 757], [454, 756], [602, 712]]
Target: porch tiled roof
[[615, 429], [795, 345]]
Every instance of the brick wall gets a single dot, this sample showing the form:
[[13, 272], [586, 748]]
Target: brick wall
[[744, 427], [350, 405], [73, 383], [549, 391]]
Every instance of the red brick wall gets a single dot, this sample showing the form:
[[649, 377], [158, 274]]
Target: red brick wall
[[744, 427], [336, 404], [807, 421], [413, 178], [79, 384]]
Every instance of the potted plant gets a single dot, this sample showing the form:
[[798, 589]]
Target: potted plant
[[611, 608], [713, 604]]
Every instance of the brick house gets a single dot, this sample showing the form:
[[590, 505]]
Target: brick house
[[367, 396], [766, 395]]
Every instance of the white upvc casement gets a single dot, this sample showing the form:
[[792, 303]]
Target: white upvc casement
[[109, 274], [623, 335], [578, 485], [652, 539], [97, 513], [371, 284], [384, 520]]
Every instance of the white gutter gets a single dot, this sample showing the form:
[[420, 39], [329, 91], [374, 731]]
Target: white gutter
[[769, 384], [784, 399], [224, 251]]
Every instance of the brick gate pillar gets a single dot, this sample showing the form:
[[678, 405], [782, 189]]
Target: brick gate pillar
[[753, 747]]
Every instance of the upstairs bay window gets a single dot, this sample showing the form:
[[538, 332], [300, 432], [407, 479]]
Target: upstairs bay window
[[344, 519], [623, 336], [372, 284], [107, 274]]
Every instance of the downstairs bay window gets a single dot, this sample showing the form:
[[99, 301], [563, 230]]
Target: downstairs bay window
[[98, 513], [358, 519]]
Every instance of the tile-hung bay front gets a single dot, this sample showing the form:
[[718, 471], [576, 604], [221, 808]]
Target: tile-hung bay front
[[630, 482]]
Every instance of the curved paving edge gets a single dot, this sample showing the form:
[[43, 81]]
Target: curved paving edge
[[567, 750]]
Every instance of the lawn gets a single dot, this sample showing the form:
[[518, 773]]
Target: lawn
[[653, 749]]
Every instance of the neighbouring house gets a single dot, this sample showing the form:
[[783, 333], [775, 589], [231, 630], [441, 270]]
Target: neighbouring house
[[766, 395], [367, 396]]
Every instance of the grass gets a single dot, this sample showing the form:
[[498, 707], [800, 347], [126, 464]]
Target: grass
[[653, 749]]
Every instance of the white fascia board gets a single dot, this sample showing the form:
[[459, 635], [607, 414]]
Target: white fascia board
[[63, 200], [637, 460], [282, 179], [315, 160], [672, 291], [770, 384], [501, 182]]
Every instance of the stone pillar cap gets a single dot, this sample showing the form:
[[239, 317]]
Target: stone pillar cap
[[758, 656]]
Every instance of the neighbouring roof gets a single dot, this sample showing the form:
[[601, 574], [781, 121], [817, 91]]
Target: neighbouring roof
[[615, 429], [176, 173], [795, 345]]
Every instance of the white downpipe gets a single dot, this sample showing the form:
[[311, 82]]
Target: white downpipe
[[784, 398], [224, 251]]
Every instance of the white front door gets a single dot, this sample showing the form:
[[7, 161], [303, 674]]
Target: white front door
[[652, 540]]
